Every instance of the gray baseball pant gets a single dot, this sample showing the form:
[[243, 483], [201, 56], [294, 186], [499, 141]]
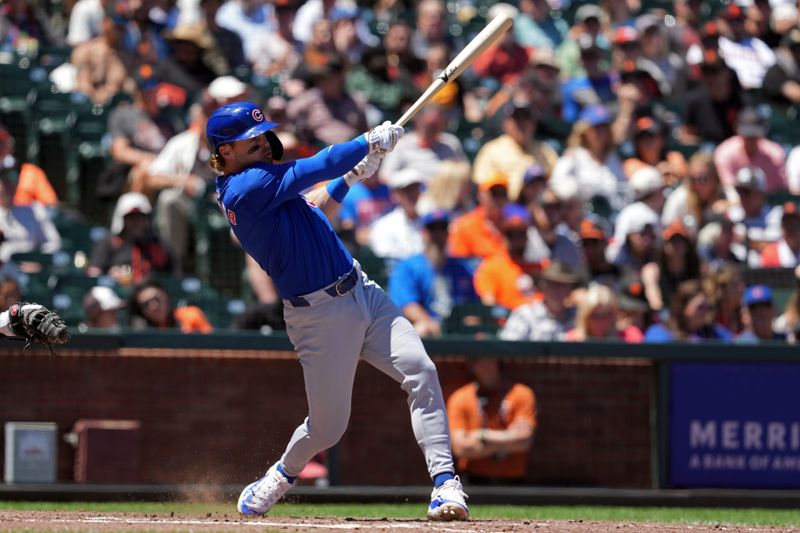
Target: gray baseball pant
[[330, 336]]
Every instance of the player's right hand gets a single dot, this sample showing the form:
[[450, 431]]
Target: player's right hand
[[384, 138]]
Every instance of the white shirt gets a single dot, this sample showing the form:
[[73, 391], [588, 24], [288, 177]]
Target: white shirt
[[408, 153], [395, 236], [594, 179], [749, 58], [85, 21], [793, 170], [533, 322]]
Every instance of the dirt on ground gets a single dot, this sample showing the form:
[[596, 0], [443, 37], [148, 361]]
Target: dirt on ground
[[40, 521]]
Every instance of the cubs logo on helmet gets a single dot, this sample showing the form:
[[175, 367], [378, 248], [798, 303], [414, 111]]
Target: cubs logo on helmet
[[258, 116]]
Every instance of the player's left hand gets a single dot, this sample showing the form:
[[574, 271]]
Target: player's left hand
[[37, 323], [384, 138], [364, 169]]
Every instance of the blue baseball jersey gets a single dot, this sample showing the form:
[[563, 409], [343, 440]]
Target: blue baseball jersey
[[288, 236]]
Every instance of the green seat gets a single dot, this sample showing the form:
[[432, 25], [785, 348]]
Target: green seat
[[471, 319]]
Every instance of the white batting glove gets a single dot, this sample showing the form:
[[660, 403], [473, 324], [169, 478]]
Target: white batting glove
[[364, 169], [384, 138]]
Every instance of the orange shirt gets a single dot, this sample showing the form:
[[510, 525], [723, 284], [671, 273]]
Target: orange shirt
[[505, 281], [465, 413], [769, 256], [191, 319], [34, 186], [472, 235]]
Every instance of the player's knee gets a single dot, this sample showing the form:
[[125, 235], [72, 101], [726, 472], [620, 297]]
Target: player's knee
[[328, 434]]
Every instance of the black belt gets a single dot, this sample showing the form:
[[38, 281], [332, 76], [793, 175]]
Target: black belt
[[344, 286]]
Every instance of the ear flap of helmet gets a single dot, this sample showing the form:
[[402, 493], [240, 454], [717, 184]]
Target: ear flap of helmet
[[275, 144]]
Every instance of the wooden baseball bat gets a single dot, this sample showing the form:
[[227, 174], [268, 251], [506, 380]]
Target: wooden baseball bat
[[488, 35]]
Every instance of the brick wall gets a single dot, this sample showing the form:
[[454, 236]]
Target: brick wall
[[221, 417]]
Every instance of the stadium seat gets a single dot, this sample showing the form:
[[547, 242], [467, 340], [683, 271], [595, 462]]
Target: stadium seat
[[473, 319]]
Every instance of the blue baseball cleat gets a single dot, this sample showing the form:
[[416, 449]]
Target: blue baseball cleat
[[448, 502], [258, 497]]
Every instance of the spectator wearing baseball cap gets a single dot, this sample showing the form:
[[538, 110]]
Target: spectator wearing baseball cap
[[101, 306], [676, 262], [655, 50], [785, 253], [415, 283], [716, 244], [747, 55], [635, 237], [634, 310], [591, 159], [760, 221], [506, 279], [650, 149], [478, 232], [534, 182], [589, 19], [550, 318], [516, 150], [713, 105], [750, 148], [549, 233], [647, 186], [594, 242], [595, 87], [626, 46], [760, 309], [396, 235]]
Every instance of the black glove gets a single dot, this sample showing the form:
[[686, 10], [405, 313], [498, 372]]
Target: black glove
[[37, 323]]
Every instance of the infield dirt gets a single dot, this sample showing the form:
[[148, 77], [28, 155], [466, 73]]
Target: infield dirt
[[57, 521]]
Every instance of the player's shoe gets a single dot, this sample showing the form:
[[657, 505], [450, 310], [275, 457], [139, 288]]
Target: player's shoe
[[448, 502], [258, 497]]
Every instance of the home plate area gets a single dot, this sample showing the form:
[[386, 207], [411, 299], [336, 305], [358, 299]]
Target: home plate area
[[125, 522]]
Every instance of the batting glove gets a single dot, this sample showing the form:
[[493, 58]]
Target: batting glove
[[364, 169], [384, 138]]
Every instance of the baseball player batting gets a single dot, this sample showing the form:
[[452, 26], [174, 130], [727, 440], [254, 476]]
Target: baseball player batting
[[335, 315]]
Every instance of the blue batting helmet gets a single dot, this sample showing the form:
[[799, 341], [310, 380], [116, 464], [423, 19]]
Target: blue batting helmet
[[240, 121]]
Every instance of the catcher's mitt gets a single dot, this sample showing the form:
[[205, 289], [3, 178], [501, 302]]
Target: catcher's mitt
[[37, 323]]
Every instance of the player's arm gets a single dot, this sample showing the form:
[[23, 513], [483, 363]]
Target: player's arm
[[329, 198]]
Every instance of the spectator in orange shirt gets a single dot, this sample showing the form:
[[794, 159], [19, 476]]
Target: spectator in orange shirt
[[785, 253], [477, 233], [33, 185], [506, 279], [492, 422], [150, 307]]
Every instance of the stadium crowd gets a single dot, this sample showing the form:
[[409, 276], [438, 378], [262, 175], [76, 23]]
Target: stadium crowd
[[622, 169]]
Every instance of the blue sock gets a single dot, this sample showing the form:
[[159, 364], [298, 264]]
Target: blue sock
[[290, 478], [439, 480]]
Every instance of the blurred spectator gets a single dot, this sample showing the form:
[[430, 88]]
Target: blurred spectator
[[426, 286], [750, 148], [676, 262], [591, 159], [627, 47], [150, 307], [534, 27], [516, 150], [725, 287], [131, 250], [545, 240], [23, 228], [650, 149], [686, 30], [180, 174], [788, 323], [426, 147], [621, 12], [597, 318], [25, 27], [782, 81], [344, 33], [716, 246], [594, 241], [759, 220], [699, 197], [396, 235], [759, 14], [712, 107], [633, 307], [760, 312], [32, 182], [785, 252], [589, 19], [492, 422], [385, 74], [367, 201], [550, 318], [691, 318], [634, 237], [227, 41], [748, 56], [448, 190], [595, 88], [477, 233], [312, 11], [506, 279], [195, 59], [534, 183], [655, 49], [278, 51], [86, 20], [10, 293], [101, 306], [138, 132], [99, 68], [505, 60], [252, 20], [647, 186], [326, 113], [431, 28]]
